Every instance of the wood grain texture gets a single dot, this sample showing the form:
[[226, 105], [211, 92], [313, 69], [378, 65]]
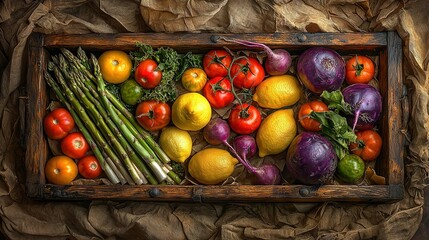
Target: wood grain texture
[[37, 148], [387, 46], [244, 193], [395, 82], [202, 42]]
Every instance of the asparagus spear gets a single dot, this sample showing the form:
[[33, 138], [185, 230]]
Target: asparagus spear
[[110, 172], [167, 169], [143, 137], [105, 130], [96, 134], [94, 99], [91, 84], [153, 165]]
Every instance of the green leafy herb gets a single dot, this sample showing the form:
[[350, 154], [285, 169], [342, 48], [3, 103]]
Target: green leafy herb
[[336, 130], [168, 62], [178, 168], [172, 66], [189, 60], [335, 101]]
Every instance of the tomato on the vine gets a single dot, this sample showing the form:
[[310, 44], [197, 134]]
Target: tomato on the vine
[[194, 79], [359, 69], [216, 63], [247, 72], [153, 115], [244, 118], [218, 92], [60, 170], [368, 145], [115, 66], [58, 123], [147, 74], [74, 145], [307, 122], [89, 167]]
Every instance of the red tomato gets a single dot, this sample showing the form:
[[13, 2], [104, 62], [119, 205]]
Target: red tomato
[[89, 167], [74, 145], [368, 145], [147, 74], [244, 119], [218, 92], [60, 170], [359, 69], [247, 73], [58, 123], [216, 63], [306, 122], [153, 115]]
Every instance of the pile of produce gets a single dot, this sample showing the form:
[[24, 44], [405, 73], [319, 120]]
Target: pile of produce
[[154, 116]]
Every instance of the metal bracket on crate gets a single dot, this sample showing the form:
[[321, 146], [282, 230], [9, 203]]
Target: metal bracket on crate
[[154, 192], [197, 195], [308, 190]]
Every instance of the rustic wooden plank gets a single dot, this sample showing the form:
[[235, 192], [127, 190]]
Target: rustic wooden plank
[[37, 148], [202, 42], [389, 165], [396, 141], [244, 193], [382, 163]]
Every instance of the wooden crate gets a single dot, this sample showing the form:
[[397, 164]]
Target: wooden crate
[[386, 45]]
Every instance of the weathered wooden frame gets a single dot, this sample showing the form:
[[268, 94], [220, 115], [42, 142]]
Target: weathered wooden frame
[[386, 45]]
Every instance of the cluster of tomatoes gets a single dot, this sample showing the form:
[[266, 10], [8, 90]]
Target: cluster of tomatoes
[[116, 68], [213, 82], [218, 67], [62, 169], [359, 69]]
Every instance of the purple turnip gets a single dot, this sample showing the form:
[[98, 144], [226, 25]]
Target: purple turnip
[[320, 69], [218, 131], [311, 159], [278, 61], [366, 105]]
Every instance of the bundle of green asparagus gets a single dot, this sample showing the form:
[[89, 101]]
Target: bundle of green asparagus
[[126, 152]]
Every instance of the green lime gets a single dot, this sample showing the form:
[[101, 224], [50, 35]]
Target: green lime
[[350, 168], [131, 92]]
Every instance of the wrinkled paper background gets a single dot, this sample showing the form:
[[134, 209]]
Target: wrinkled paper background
[[22, 218]]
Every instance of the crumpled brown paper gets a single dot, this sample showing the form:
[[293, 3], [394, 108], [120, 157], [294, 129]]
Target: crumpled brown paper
[[23, 218]]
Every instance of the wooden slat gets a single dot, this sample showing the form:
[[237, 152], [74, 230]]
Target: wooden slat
[[202, 42], [396, 141], [390, 164], [37, 148], [244, 193]]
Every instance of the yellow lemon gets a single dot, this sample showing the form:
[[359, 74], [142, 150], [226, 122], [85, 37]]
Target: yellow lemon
[[211, 165], [191, 112], [276, 132], [176, 143], [278, 91]]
